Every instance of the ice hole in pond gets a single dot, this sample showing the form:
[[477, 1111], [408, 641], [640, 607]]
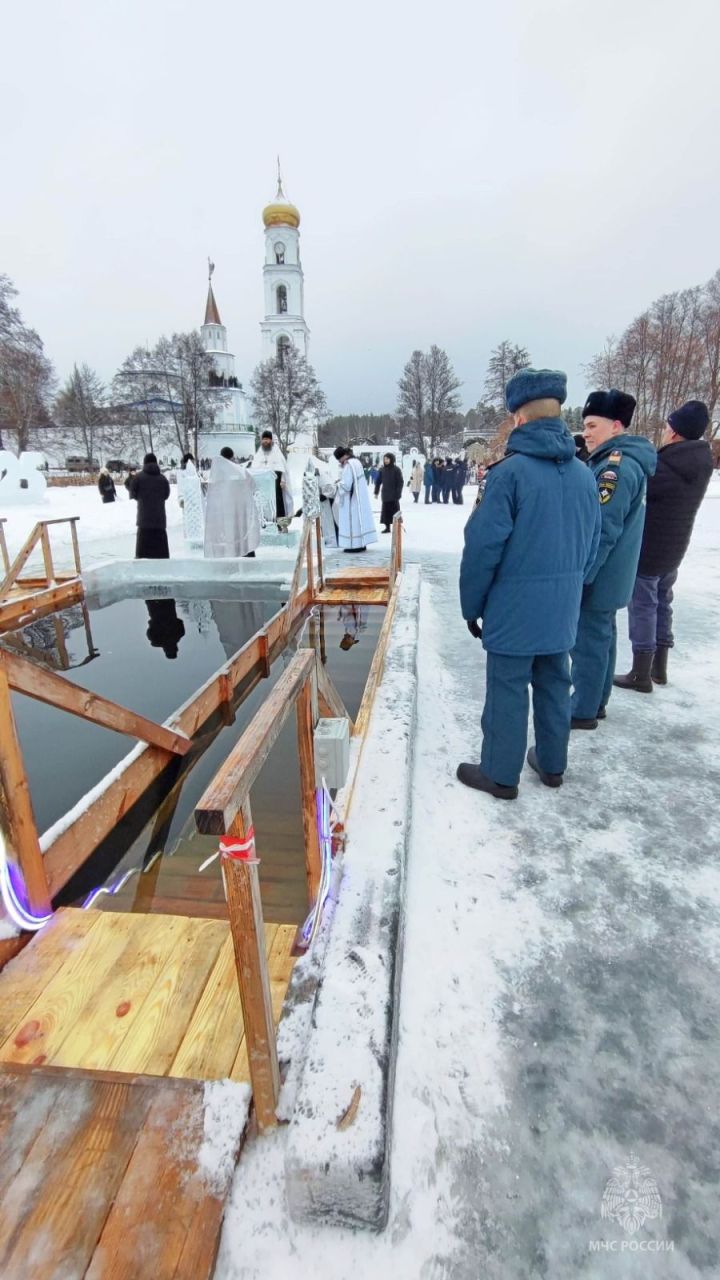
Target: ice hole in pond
[[151, 654]]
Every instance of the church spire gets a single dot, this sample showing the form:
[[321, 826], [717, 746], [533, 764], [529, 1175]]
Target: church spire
[[212, 315]]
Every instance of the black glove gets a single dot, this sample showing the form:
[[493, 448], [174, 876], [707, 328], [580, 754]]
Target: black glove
[[475, 630]]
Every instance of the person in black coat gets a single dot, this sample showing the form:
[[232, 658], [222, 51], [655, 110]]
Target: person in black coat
[[674, 493], [165, 629], [459, 480], [448, 480], [151, 490], [106, 485], [390, 482], [438, 468]]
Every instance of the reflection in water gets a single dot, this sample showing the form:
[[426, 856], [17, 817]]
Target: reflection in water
[[165, 629], [354, 618], [237, 621]]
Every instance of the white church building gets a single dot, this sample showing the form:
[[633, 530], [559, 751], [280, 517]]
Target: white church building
[[283, 324]]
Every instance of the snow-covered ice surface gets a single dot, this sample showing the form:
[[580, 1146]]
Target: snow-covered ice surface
[[560, 999], [226, 1105]]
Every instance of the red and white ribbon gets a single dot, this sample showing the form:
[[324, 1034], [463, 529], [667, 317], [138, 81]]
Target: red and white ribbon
[[239, 850]]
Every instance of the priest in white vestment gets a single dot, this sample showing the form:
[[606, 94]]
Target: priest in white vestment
[[232, 523], [355, 517], [191, 500], [270, 457]]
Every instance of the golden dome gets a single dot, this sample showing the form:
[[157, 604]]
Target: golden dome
[[280, 213]]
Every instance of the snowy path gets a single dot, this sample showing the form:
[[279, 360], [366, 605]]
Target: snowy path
[[560, 999]]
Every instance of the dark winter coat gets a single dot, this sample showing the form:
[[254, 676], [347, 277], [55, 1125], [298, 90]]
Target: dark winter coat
[[530, 542], [428, 474], [106, 485], [620, 469], [674, 494], [151, 490], [389, 483]]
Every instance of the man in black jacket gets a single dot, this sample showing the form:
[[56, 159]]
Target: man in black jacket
[[390, 481], [151, 490], [674, 493]]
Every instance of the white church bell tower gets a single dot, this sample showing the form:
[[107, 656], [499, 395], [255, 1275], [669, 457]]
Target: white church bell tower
[[284, 321]]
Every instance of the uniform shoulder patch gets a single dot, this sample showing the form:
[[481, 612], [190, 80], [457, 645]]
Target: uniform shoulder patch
[[615, 456]]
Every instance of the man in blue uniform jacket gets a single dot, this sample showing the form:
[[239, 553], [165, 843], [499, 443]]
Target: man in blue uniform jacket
[[620, 465], [528, 546]]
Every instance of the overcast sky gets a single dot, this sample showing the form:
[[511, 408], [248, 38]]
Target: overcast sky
[[538, 170]]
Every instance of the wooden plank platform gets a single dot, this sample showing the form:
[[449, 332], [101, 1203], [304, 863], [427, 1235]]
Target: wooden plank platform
[[138, 994], [108, 1177], [351, 594], [21, 606]]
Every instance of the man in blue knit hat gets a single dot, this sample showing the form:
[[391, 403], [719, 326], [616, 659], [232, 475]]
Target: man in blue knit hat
[[528, 546], [620, 465]]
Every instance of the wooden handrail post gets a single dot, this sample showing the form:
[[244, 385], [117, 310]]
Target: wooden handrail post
[[47, 554], [318, 543], [242, 884], [20, 560], [4, 547], [75, 543], [13, 779], [306, 750], [310, 567]]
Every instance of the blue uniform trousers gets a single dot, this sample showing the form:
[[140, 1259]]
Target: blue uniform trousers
[[650, 613], [593, 662], [428, 491], [436, 489], [505, 714]]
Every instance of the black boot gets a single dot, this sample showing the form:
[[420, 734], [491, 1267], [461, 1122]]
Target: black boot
[[577, 723], [601, 712], [473, 776], [659, 665], [550, 779], [639, 677]]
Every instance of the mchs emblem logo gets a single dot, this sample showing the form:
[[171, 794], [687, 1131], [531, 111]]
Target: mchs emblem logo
[[631, 1196]]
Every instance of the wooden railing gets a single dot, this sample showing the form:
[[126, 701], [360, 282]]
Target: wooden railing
[[4, 547], [224, 810], [39, 535]]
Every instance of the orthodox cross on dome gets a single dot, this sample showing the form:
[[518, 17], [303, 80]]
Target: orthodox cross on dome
[[211, 268], [280, 193]]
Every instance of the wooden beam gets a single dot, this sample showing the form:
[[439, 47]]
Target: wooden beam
[[47, 555], [377, 665], [75, 543], [297, 575], [4, 546], [319, 548], [306, 753], [20, 560], [26, 845], [223, 799], [242, 884], [331, 704], [45, 686], [27, 608]]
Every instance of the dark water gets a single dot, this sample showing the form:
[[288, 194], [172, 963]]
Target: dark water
[[151, 655]]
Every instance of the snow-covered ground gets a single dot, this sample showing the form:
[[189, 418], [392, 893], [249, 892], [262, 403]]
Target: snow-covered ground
[[560, 997]]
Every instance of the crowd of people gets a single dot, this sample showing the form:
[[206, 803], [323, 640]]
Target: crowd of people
[[554, 547]]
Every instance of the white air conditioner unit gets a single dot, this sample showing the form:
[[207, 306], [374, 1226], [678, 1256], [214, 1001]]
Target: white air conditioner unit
[[332, 752]]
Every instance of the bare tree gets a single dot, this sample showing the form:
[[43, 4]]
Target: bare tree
[[504, 361], [81, 412], [138, 398], [667, 355], [285, 394], [27, 377], [411, 406], [442, 396]]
